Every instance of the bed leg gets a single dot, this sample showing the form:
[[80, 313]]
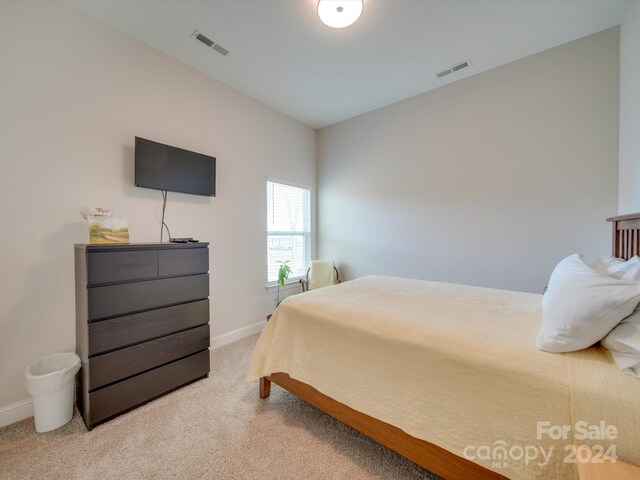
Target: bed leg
[[265, 387]]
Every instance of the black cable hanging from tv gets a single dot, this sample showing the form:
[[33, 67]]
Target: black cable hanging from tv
[[165, 194]]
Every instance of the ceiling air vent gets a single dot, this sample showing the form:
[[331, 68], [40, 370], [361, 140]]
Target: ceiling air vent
[[221, 50], [460, 66], [455, 68], [209, 43]]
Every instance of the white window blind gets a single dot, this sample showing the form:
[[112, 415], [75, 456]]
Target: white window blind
[[288, 229]]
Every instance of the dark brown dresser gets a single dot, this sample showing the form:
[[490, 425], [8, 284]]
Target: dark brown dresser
[[142, 323]]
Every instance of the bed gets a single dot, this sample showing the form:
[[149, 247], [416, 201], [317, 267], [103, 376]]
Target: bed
[[448, 375]]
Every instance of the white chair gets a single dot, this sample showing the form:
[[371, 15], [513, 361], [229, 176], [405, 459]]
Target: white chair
[[320, 274]]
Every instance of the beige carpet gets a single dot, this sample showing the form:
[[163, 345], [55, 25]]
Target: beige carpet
[[216, 428]]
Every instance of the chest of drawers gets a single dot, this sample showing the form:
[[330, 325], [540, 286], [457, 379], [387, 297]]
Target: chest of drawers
[[142, 323]]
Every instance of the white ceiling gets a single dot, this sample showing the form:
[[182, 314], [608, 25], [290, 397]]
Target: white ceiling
[[283, 56]]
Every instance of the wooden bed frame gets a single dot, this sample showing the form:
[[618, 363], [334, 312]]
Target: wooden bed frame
[[626, 235], [435, 459], [626, 244]]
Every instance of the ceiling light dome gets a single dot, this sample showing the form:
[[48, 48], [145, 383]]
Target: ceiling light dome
[[339, 13]]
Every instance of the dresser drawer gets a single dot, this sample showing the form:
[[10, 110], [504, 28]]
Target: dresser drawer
[[114, 300], [109, 267], [122, 396], [183, 261], [121, 332], [123, 363]]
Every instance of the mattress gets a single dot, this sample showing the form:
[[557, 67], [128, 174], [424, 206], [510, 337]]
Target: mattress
[[456, 366]]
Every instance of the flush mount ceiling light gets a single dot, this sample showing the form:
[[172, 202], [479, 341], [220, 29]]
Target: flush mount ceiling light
[[339, 13]]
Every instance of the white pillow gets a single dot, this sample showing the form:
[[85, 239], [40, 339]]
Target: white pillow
[[618, 268], [581, 306], [624, 344]]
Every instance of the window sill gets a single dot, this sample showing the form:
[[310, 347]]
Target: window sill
[[291, 284]]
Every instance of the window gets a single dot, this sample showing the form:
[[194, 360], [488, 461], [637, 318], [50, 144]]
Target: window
[[288, 229]]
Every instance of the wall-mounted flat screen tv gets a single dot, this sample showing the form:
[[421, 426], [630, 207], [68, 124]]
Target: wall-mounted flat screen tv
[[162, 167]]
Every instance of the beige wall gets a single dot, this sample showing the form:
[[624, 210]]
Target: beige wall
[[73, 94], [488, 181], [629, 193]]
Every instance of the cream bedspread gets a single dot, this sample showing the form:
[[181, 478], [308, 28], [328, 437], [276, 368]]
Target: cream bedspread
[[451, 364]]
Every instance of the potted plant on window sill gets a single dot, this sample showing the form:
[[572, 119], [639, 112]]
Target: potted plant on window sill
[[284, 270]]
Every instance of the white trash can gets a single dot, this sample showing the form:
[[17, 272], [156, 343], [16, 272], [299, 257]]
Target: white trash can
[[50, 382]]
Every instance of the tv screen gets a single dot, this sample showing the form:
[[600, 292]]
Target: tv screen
[[163, 167]]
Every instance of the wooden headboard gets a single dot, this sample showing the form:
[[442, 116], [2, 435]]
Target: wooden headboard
[[626, 235]]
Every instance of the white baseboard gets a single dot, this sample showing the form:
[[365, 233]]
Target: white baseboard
[[15, 412], [24, 409], [237, 334]]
